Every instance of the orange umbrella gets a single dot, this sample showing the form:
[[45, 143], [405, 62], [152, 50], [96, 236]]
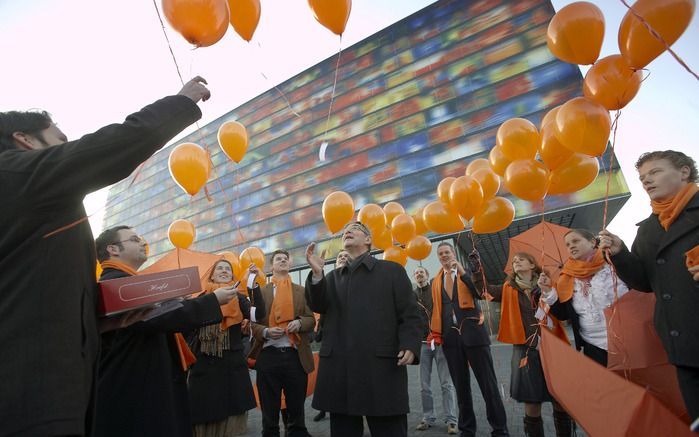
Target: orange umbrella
[[602, 402], [545, 242], [635, 350]]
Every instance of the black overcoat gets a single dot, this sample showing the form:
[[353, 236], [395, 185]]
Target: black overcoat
[[141, 387], [48, 325], [657, 263], [369, 314], [220, 387]]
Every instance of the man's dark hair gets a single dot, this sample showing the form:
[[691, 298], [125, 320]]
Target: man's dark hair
[[446, 243], [427, 273], [278, 252], [677, 159], [28, 122], [108, 237]]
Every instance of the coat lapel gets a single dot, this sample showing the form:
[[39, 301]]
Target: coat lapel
[[687, 222]]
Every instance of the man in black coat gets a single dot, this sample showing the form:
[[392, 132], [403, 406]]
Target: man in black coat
[[466, 343], [371, 331], [48, 325], [142, 387], [657, 262]]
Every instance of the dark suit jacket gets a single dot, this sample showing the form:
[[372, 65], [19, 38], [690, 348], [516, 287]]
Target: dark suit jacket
[[142, 389], [370, 314], [656, 263], [301, 312], [48, 325], [472, 334]]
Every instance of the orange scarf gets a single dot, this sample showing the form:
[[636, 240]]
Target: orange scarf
[[231, 311], [282, 311], [668, 211], [465, 299], [693, 257], [511, 325], [187, 358], [576, 268]]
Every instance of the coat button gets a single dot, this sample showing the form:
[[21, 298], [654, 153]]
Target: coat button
[[666, 296], [660, 261], [674, 333]]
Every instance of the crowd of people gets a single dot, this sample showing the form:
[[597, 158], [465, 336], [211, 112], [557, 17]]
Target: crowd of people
[[185, 372]]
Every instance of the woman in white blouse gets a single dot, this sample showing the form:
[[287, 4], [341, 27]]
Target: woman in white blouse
[[587, 285]]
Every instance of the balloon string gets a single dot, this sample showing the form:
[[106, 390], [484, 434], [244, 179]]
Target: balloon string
[[659, 37], [485, 283], [332, 93], [543, 231], [281, 93], [615, 125], [157, 11]]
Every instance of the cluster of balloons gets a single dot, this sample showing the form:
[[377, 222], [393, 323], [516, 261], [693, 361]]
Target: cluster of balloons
[[205, 22]]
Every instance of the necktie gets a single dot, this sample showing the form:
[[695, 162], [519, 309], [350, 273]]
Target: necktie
[[449, 283]]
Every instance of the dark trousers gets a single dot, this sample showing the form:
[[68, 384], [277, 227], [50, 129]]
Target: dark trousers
[[595, 353], [280, 369], [688, 378], [459, 357], [342, 425]]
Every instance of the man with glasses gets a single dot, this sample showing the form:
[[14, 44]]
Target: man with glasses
[[48, 320], [371, 331], [141, 388]]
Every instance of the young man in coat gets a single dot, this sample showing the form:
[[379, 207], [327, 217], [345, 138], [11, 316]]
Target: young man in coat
[[664, 259], [371, 331], [142, 387], [282, 350], [49, 327], [457, 324]]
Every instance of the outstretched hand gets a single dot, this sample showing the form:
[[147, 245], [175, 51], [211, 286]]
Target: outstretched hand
[[196, 90], [314, 261]]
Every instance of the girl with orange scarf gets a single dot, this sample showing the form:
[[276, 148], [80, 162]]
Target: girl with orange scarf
[[586, 286], [220, 391], [519, 297]]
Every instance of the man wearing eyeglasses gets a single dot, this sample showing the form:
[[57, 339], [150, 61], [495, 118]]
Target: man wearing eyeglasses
[[48, 320], [371, 331], [141, 387]]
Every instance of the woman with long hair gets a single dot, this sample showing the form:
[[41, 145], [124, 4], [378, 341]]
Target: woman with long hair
[[519, 297], [585, 288], [220, 391]]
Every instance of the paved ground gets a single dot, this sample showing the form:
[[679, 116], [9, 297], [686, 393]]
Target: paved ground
[[515, 411]]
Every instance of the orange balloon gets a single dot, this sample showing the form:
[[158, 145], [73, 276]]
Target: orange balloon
[[420, 227], [252, 255], [575, 174], [466, 196], [490, 182], [477, 164], [576, 32], [498, 160], [391, 210], [439, 217], [396, 254], [382, 240], [373, 217], [403, 228], [518, 139], [419, 248], [181, 233], [201, 22], [583, 126], [527, 179], [611, 82], [669, 18], [338, 210], [189, 166], [551, 151], [496, 215], [233, 140], [245, 15], [333, 14], [548, 118], [232, 258], [443, 188]]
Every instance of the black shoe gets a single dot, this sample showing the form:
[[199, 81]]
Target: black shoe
[[320, 416]]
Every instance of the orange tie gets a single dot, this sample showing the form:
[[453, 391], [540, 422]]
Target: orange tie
[[449, 281]]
